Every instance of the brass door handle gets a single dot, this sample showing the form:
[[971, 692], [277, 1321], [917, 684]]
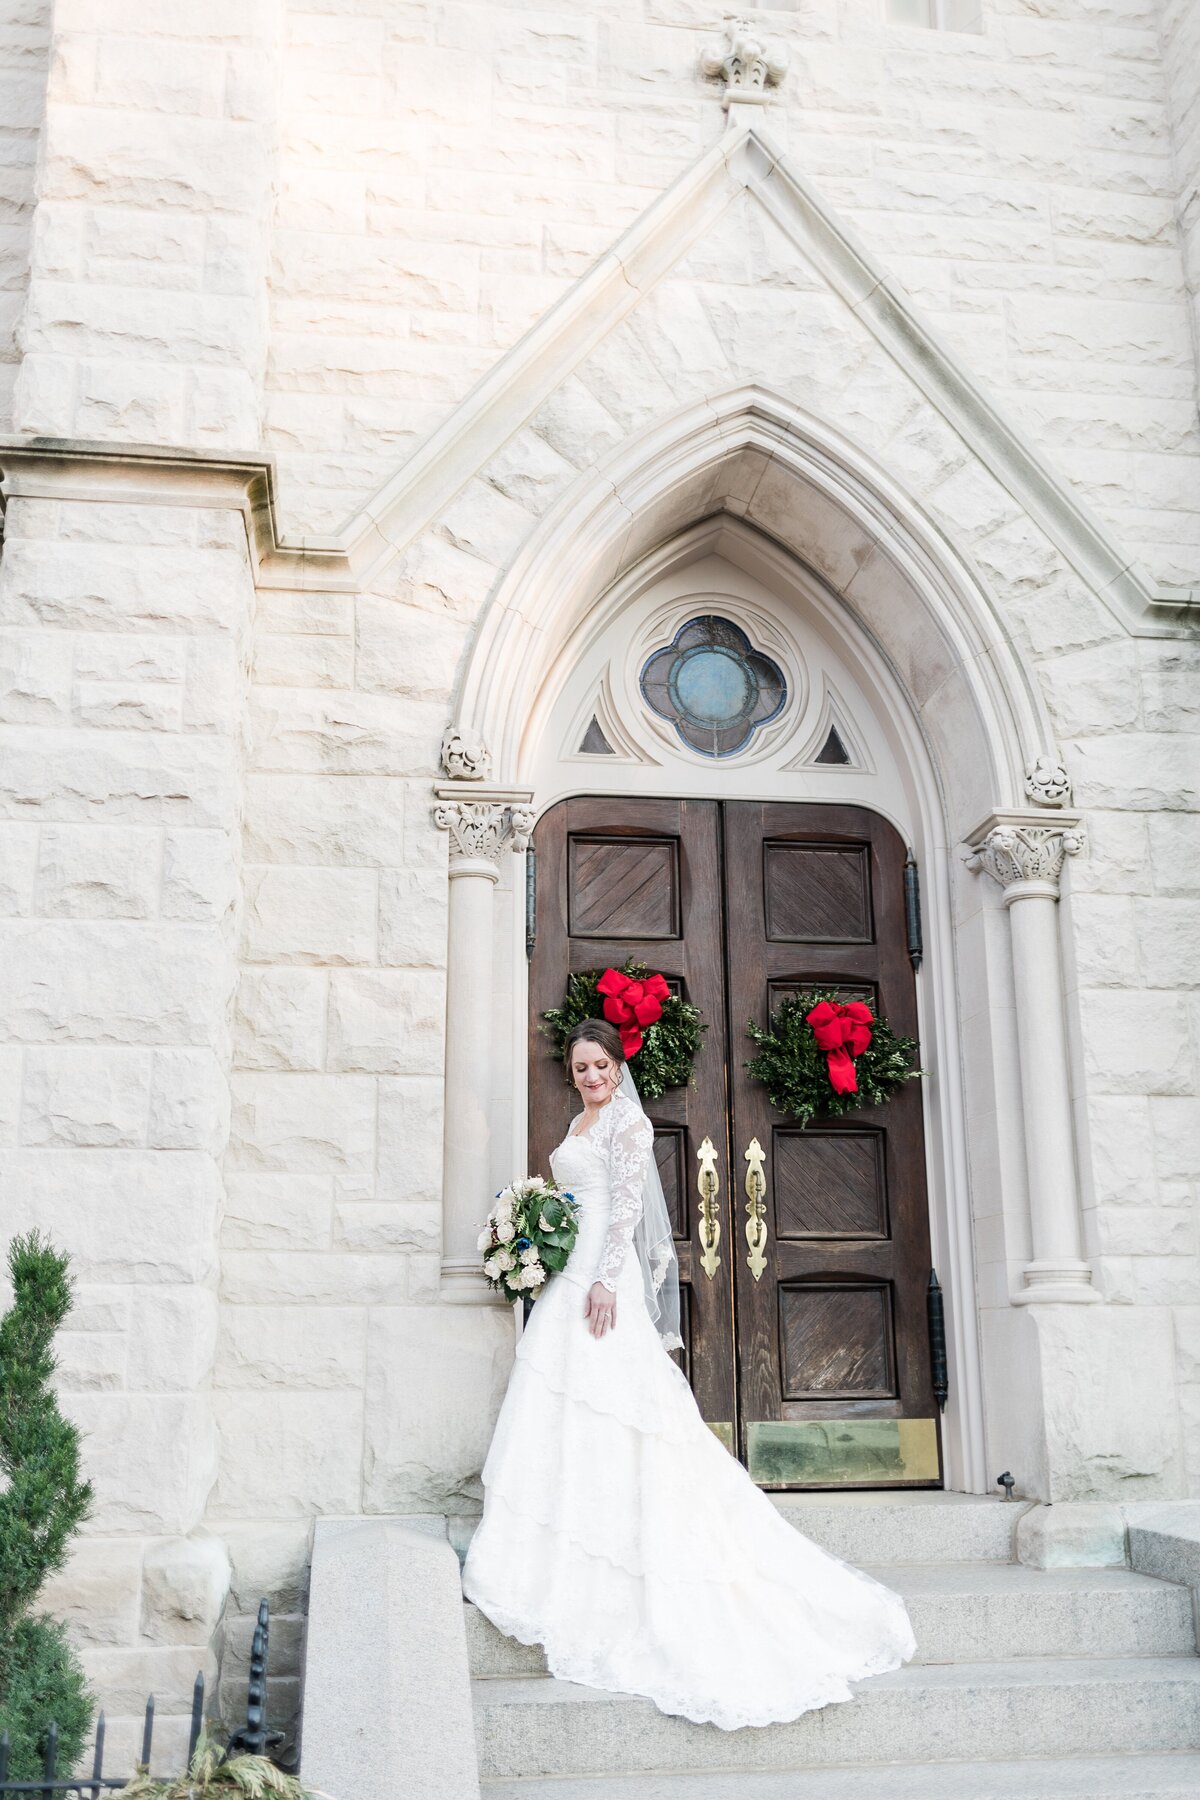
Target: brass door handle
[[709, 1184], [756, 1209]]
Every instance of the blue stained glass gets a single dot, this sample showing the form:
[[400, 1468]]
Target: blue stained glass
[[713, 686]]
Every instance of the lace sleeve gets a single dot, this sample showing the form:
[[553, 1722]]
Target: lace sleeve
[[629, 1150]]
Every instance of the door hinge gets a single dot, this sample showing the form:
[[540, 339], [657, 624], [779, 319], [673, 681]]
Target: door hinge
[[938, 1369], [912, 910], [530, 901]]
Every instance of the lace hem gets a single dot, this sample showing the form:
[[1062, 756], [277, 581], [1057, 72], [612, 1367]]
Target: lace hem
[[580, 1663]]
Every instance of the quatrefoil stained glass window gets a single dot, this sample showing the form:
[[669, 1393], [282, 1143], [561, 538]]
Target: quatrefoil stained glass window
[[713, 685]]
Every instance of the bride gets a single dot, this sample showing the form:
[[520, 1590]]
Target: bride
[[617, 1531]]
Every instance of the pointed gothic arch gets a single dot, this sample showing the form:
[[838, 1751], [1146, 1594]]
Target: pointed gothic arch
[[756, 469], [922, 625], [757, 457]]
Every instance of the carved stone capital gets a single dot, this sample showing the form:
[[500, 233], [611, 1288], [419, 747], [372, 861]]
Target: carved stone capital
[[1023, 852], [465, 756], [1047, 782], [483, 824], [746, 62]]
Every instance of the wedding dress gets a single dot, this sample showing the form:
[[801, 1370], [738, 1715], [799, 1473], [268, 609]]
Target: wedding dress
[[619, 1533]]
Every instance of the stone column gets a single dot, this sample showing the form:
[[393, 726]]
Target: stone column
[[1024, 852], [485, 822]]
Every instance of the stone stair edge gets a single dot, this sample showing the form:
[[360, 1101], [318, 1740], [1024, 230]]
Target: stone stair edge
[[1033, 1671], [918, 1714], [981, 1575], [1150, 1777]]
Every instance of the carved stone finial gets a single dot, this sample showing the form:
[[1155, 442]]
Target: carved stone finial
[[1013, 854], [481, 830], [1047, 782], [747, 63], [465, 757]]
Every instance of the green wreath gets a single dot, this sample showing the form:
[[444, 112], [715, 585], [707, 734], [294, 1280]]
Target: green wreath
[[795, 1071], [669, 1046]]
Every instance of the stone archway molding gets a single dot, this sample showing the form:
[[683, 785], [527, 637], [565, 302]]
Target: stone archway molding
[[757, 457]]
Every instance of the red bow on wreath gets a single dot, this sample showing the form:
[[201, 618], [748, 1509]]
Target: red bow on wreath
[[842, 1032], [630, 1004]]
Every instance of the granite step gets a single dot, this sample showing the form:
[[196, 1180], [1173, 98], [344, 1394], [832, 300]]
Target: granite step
[[976, 1612], [1002, 1710], [1053, 1778], [919, 1527]]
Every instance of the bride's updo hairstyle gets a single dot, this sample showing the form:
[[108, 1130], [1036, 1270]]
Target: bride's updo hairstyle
[[593, 1031]]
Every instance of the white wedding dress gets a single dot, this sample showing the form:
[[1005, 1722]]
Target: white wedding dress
[[617, 1531]]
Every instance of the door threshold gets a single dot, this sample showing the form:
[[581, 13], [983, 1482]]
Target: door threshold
[[891, 1496]]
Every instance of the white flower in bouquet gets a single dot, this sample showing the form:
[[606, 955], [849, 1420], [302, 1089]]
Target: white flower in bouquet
[[537, 1181], [484, 1240], [506, 1231], [491, 1269], [530, 1255], [505, 1259], [533, 1276]]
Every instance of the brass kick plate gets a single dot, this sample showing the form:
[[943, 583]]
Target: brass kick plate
[[842, 1452]]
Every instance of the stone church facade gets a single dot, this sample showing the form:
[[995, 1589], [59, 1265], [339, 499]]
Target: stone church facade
[[384, 383]]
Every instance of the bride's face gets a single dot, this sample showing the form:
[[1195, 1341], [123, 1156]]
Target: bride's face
[[594, 1073]]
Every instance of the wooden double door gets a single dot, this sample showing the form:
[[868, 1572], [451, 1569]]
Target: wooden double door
[[811, 1358]]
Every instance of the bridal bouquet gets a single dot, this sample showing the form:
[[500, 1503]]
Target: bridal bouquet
[[530, 1233]]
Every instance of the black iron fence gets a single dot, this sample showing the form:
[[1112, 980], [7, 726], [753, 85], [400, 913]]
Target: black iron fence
[[251, 1738]]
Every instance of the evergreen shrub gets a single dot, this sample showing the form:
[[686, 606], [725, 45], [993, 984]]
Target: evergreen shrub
[[43, 1502]]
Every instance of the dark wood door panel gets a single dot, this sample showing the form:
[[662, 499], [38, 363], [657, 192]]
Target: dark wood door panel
[[832, 1333], [817, 893], [670, 1155], [780, 986], [621, 878], [829, 1184], [837, 1341], [618, 887]]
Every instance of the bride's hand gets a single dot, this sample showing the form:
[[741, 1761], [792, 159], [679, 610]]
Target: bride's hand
[[600, 1309]]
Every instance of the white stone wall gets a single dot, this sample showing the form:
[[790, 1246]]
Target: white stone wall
[[123, 664], [145, 319], [24, 56], [1181, 58], [1134, 920]]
